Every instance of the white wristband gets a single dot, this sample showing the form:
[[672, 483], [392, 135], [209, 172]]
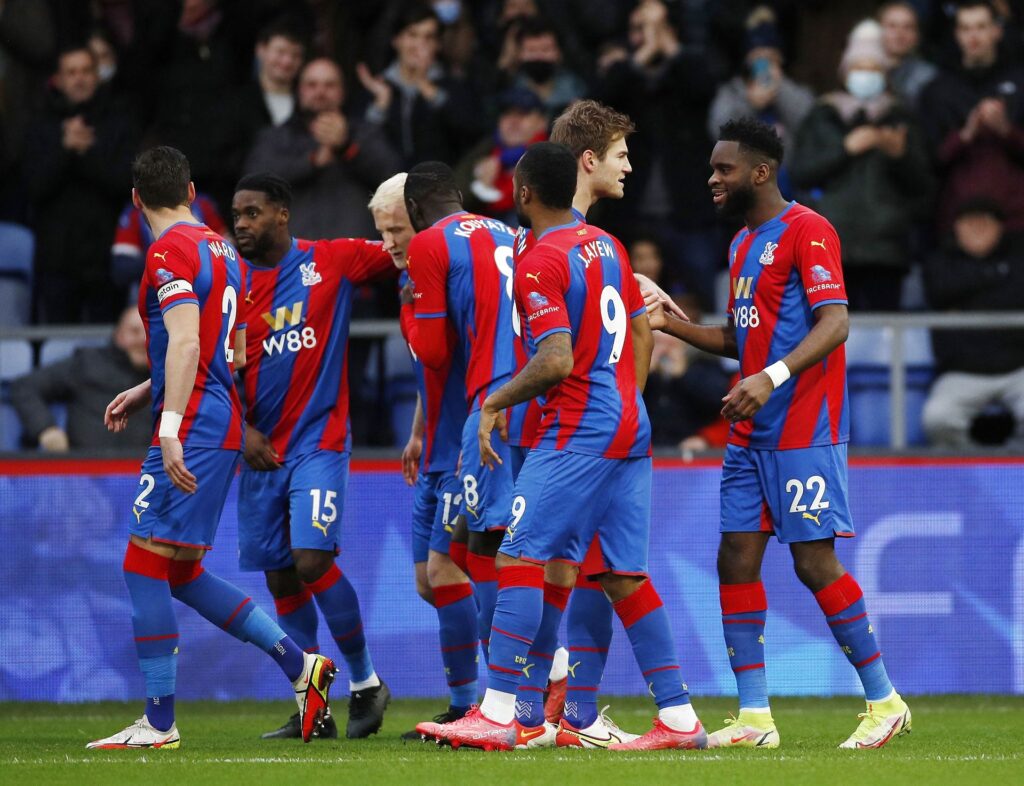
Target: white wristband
[[778, 372], [170, 422]]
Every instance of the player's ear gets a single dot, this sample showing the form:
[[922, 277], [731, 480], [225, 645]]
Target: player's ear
[[762, 173], [589, 161], [136, 202], [191, 192], [283, 216]]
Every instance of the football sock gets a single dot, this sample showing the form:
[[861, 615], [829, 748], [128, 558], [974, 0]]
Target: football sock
[[744, 608], [296, 614], [646, 622], [337, 599], [457, 624], [227, 607], [588, 634], [156, 630], [540, 656], [517, 616], [844, 608], [485, 582], [459, 553]]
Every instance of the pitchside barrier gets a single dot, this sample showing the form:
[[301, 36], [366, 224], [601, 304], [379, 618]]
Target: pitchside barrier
[[939, 552]]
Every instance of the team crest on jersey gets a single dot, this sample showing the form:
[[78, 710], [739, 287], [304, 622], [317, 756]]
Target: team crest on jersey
[[819, 274], [309, 274], [537, 300], [768, 255], [163, 276]]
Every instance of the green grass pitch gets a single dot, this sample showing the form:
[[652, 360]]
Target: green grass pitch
[[957, 740]]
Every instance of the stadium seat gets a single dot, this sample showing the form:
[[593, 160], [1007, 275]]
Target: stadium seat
[[867, 358], [17, 247], [15, 360], [56, 349]]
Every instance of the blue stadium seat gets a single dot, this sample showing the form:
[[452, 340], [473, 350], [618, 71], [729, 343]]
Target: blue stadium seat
[[17, 247], [867, 359], [15, 360]]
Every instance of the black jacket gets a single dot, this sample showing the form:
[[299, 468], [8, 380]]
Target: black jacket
[[86, 382], [955, 281]]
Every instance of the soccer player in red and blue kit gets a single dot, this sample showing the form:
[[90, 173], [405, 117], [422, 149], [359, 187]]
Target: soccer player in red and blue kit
[[429, 464], [590, 347], [461, 268], [292, 490], [195, 329], [785, 466]]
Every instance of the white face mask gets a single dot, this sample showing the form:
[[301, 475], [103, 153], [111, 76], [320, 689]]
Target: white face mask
[[865, 85]]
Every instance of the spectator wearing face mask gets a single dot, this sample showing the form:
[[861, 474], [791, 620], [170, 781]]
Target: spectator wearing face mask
[[540, 67], [861, 159]]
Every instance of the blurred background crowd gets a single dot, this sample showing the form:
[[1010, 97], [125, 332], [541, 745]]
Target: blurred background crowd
[[903, 124]]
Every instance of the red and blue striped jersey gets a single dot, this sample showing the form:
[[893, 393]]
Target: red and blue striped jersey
[[443, 397], [461, 268], [524, 418], [577, 280], [296, 379], [779, 274], [190, 263]]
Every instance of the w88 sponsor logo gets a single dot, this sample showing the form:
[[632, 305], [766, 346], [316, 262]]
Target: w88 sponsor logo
[[292, 341]]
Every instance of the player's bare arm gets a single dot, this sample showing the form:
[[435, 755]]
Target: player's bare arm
[[180, 365], [552, 363], [652, 292], [643, 346], [125, 404], [239, 358], [831, 327], [716, 339], [414, 447]]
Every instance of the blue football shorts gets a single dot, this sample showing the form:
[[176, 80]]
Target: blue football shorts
[[798, 495], [298, 506], [486, 493], [437, 501], [562, 500], [166, 514]]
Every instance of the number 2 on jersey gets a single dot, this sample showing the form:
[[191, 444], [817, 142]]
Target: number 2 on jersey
[[229, 306]]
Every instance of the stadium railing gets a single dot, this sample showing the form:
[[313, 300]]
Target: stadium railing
[[877, 340]]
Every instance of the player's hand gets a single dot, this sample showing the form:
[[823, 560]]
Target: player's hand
[[54, 440], [174, 465], [747, 397], [375, 86], [489, 420], [411, 460], [648, 287], [656, 312], [408, 294], [115, 418], [260, 453]]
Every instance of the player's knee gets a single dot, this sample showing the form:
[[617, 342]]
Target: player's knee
[[283, 583], [737, 562], [441, 571], [310, 564], [816, 564], [618, 587], [561, 574]]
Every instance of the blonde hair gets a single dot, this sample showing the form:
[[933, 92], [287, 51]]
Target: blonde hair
[[390, 191]]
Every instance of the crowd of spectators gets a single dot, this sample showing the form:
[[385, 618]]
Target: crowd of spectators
[[897, 118]]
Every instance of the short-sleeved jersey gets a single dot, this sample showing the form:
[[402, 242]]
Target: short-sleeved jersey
[[133, 235], [190, 263], [461, 268], [443, 397], [779, 274], [296, 378], [577, 280], [524, 418]]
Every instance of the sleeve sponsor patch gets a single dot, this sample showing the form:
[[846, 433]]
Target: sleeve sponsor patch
[[176, 287]]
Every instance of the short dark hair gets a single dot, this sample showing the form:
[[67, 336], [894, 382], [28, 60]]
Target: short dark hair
[[281, 28], [161, 176], [535, 27], [430, 179], [549, 169], [276, 189], [963, 5], [753, 136], [413, 13]]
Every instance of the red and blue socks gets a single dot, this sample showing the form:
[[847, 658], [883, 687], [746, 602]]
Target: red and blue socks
[[459, 553], [540, 656], [227, 607], [744, 609], [842, 601], [457, 624], [517, 616], [485, 581], [589, 635], [296, 614], [156, 630], [646, 622], [337, 599]]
